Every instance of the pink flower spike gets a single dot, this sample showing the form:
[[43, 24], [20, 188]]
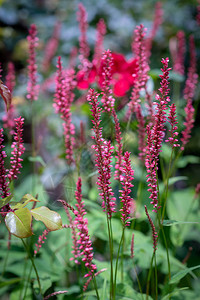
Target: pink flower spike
[[84, 238], [64, 96], [32, 87], [106, 67], [189, 92], [101, 31], [173, 131], [18, 150], [154, 233], [103, 153], [126, 178], [4, 189], [139, 48], [41, 240], [180, 57]]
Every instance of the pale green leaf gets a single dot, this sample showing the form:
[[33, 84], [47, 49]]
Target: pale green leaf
[[24, 201], [178, 276], [5, 201], [51, 219], [19, 222]]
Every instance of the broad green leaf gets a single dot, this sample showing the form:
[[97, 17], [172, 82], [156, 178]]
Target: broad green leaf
[[24, 201], [51, 219], [173, 222], [5, 201], [19, 222], [178, 276]]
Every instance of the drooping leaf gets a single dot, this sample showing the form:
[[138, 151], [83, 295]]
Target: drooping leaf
[[38, 159], [24, 201], [50, 218], [19, 222], [178, 276], [5, 94], [5, 201], [173, 222]]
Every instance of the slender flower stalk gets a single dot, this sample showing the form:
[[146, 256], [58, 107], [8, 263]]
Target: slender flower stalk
[[180, 55], [18, 150], [108, 105], [132, 246], [41, 241], [189, 91], [85, 245], [98, 50], [139, 48], [173, 131], [4, 189], [90, 279], [51, 47], [64, 96], [154, 233], [106, 65], [32, 87], [75, 250], [84, 49], [126, 178], [155, 135], [158, 18], [103, 153]]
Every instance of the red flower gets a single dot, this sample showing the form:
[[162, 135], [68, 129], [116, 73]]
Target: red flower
[[123, 75]]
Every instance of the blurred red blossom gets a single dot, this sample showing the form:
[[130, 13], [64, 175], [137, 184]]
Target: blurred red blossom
[[123, 74]]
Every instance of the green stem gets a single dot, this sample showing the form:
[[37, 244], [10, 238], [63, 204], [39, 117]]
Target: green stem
[[156, 277], [111, 255], [138, 282], [118, 252], [33, 264], [95, 286], [149, 276], [28, 280]]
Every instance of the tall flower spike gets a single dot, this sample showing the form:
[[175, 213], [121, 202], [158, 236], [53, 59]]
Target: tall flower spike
[[180, 55], [139, 48], [51, 47], [84, 238], [189, 91], [173, 131], [156, 133], [84, 49], [154, 233], [103, 153], [158, 18], [32, 87], [106, 66], [126, 179], [101, 31], [65, 84], [18, 150], [4, 190]]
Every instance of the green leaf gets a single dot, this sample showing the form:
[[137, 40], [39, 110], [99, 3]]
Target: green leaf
[[5, 201], [38, 159], [19, 222], [173, 180], [173, 222], [24, 201], [51, 219], [178, 276]]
